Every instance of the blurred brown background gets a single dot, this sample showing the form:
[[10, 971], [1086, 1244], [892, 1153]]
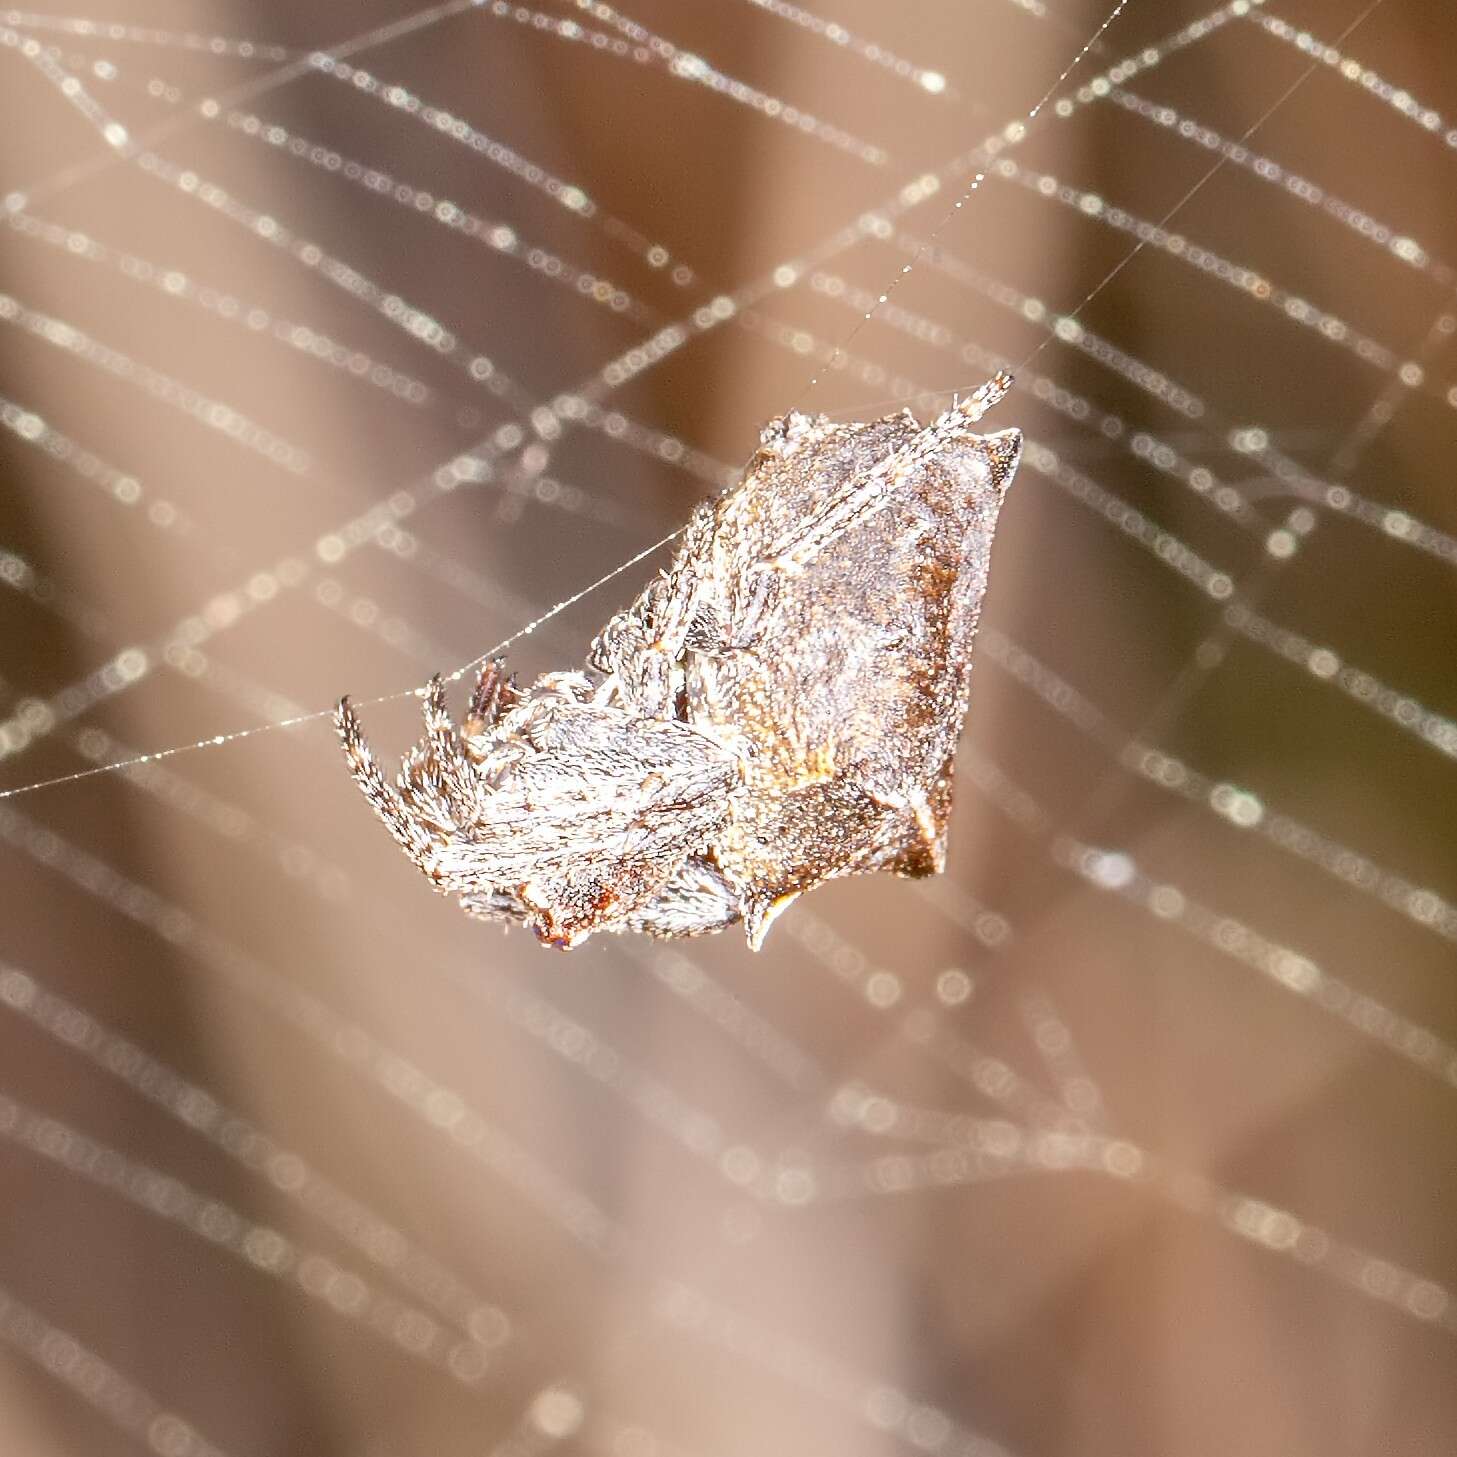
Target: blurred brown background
[[331, 353]]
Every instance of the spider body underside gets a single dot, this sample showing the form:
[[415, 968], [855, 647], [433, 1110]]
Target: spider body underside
[[780, 706]]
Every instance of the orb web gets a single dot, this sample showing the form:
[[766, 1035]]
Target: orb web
[[337, 350]]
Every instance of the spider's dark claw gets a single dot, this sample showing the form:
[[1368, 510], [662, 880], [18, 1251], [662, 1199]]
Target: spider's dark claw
[[487, 690], [494, 694]]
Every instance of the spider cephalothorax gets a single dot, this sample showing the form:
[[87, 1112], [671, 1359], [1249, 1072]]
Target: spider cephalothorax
[[778, 707]]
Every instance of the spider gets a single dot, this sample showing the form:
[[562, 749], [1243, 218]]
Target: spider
[[780, 706]]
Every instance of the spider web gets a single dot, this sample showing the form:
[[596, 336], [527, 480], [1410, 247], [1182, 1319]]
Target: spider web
[[328, 364]]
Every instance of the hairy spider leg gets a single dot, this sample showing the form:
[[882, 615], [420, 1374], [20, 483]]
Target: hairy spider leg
[[383, 798], [696, 900]]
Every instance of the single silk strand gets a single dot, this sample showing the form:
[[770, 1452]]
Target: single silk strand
[[216, 741]]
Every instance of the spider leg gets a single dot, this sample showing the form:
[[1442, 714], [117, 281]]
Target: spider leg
[[381, 794], [592, 813], [455, 771], [493, 696], [695, 900]]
